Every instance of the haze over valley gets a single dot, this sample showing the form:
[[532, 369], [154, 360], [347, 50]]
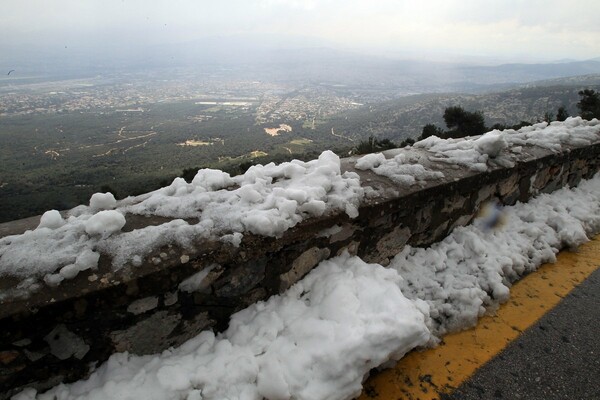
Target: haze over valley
[[90, 112]]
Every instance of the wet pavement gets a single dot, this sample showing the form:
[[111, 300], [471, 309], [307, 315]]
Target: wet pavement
[[557, 358], [542, 344]]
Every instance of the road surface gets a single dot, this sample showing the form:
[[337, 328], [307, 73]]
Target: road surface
[[542, 344]]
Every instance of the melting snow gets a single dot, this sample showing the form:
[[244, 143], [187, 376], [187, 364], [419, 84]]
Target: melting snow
[[103, 201], [478, 153], [320, 338], [472, 269], [316, 341], [266, 200], [473, 153], [405, 168]]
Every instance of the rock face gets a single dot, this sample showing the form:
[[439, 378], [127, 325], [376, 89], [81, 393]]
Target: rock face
[[59, 332]]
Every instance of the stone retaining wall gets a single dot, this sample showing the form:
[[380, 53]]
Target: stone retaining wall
[[58, 333]]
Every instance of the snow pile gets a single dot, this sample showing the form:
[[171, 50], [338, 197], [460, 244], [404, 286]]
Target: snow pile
[[574, 132], [477, 153], [471, 270], [104, 223], [51, 220], [471, 153], [491, 144], [370, 161], [405, 168], [103, 201], [488, 149], [345, 317], [266, 200], [57, 249], [87, 259], [316, 341]]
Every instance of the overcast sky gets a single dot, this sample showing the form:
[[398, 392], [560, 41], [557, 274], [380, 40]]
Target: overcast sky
[[531, 29]]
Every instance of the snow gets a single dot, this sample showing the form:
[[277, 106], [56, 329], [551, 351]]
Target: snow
[[488, 150], [494, 148], [574, 132], [104, 223], [211, 179], [471, 271], [316, 341], [266, 200], [321, 337], [40, 251], [51, 220], [492, 143], [370, 161], [405, 168], [468, 152], [87, 259], [234, 238], [103, 201], [328, 232]]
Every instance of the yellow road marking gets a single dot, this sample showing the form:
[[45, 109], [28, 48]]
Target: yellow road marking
[[427, 374]]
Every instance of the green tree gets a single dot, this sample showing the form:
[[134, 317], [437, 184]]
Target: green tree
[[108, 189], [431, 130], [520, 125], [407, 142], [463, 123], [516, 127], [189, 173], [562, 113], [589, 104], [373, 145]]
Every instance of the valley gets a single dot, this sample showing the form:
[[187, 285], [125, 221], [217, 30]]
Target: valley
[[132, 134]]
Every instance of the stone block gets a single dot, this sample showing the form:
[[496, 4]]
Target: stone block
[[65, 344], [241, 279], [147, 336], [389, 245], [302, 265]]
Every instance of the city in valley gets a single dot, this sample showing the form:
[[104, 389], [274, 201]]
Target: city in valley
[[64, 138], [69, 138]]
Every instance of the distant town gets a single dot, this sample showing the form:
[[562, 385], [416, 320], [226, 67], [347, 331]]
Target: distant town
[[66, 138], [271, 102]]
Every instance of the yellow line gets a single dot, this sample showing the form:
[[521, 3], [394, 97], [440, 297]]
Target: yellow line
[[429, 373]]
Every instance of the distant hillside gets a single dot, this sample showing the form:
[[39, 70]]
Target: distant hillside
[[262, 58], [520, 73], [57, 160], [402, 118]]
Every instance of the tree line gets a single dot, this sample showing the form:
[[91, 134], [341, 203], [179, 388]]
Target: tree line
[[462, 123], [459, 123]]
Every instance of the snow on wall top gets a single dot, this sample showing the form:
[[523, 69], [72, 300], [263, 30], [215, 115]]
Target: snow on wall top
[[320, 338], [495, 148], [266, 200]]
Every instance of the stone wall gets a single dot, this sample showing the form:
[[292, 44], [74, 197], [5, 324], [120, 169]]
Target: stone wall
[[59, 333]]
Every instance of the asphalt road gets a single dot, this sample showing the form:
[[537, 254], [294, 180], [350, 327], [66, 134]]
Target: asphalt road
[[556, 358]]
